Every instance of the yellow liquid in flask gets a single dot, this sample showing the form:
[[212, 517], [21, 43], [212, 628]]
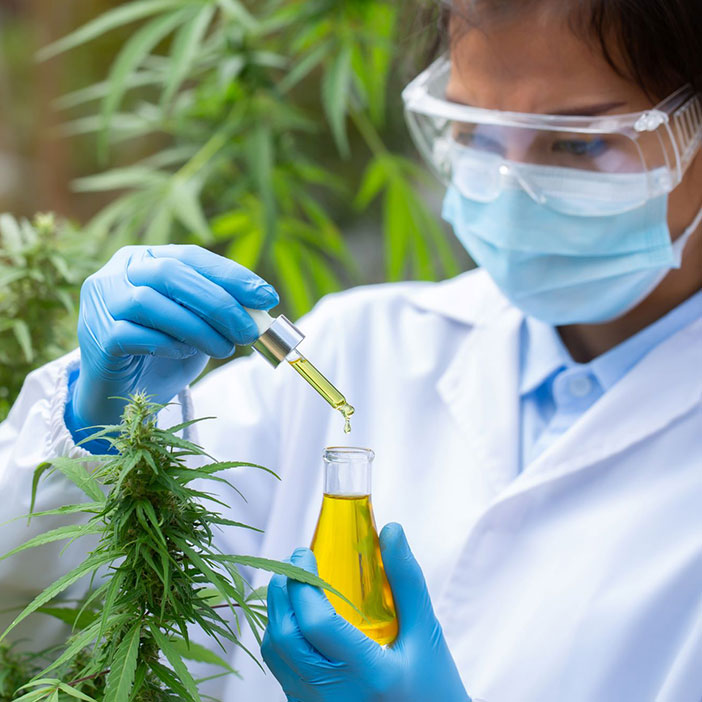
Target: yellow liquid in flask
[[346, 545]]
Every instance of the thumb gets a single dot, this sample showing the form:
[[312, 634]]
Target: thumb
[[319, 622], [412, 602]]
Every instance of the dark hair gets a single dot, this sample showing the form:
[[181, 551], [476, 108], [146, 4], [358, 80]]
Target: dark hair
[[657, 43]]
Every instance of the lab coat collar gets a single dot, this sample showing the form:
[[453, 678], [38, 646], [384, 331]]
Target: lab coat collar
[[470, 298], [665, 385], [542, 353], [480, 388]]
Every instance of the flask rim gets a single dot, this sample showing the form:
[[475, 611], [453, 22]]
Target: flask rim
[[348, 454]]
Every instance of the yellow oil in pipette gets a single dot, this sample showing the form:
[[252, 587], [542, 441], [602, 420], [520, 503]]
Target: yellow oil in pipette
[[324, 388]]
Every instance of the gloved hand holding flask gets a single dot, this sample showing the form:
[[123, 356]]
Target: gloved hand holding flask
[[317, 656]]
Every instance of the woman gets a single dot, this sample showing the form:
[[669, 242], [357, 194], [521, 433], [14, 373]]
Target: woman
[[537, 422]]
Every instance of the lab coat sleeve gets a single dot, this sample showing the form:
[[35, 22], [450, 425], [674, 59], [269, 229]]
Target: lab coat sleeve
[[34, 432]]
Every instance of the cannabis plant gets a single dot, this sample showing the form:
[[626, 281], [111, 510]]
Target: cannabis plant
[[164, 570], [42, 265], [242, 105], [16, 668]]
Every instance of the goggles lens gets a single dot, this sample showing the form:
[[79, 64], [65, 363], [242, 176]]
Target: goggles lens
[[482, 177], [588, 166]]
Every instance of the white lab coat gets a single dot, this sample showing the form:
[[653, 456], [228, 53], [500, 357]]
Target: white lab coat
[[578, 579]]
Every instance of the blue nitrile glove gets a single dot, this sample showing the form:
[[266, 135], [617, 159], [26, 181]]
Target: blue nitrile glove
[[150, 318], [317, 656]]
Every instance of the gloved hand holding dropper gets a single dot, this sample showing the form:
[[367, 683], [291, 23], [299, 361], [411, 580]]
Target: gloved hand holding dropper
[[152, 316]]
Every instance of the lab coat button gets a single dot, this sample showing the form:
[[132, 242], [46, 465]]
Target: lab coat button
[[580, 386]]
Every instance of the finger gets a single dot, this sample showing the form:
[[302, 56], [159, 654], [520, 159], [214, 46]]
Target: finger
[[283, 673], [143, 305], [284, 635], [184, 285], [290, 680], [409, 590], [327, 631], [247, 287], [124, 338]]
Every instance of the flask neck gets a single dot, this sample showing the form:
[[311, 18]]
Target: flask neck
[[347, 470]]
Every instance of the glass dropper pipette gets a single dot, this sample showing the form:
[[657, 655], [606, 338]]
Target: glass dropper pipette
[[277, 342]]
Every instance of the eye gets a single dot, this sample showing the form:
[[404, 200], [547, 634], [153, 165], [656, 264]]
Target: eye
[[478, 140], [591, 148]]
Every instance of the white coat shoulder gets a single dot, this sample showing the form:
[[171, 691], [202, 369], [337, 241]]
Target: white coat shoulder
[[469, 298]]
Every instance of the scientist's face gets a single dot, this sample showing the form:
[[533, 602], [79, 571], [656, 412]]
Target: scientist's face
[[533, 62]]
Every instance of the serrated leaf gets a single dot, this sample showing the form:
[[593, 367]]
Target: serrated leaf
[[167, 676], [430, 226], [34, 695], [336, 85], [247, 248], [75, 470], [185, 205], [301, 67], [292, 278], [396, 230], [374, 179], [38, 472], [65, 298], [99, 90], [77, 643], [211, 468], [41, 681], [10, 276], [372, 63], [87, 507], [185, 49], [73, 617], [124, 14], [259, 153], [176, 661], [111, 594], [70, 531], [195, 652], [159, 229], [139, 678], [72, 692], [239, 13], [24, 338], [90, 564], [120, 679], [280, 568], [130, 57], [118, 178], [11, 233]]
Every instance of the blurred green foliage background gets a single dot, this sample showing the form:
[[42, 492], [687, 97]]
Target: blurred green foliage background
[[270, 131]]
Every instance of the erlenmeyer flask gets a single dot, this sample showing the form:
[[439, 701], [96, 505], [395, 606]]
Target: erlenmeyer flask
[[346, 544]]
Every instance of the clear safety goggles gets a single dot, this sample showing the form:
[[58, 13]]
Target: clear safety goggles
[[588, 166]]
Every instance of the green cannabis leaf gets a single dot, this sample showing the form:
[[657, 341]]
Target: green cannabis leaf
[[240, 108], [42, 264], [164, 571]]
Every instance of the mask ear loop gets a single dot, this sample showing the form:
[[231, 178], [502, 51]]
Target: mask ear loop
[[680, 243]]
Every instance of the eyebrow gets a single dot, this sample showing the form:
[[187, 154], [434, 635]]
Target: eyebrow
[[589, 110], [584, 111]]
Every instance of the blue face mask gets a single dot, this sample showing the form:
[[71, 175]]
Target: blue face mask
[[567, 269]]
